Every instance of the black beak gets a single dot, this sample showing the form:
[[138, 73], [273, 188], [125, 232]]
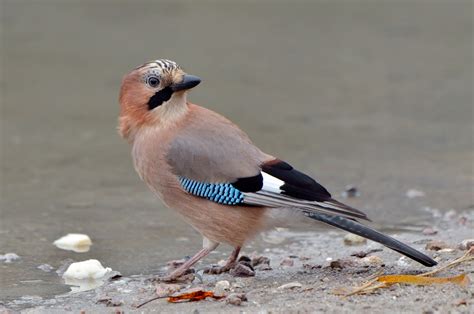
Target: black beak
[[189, 81]]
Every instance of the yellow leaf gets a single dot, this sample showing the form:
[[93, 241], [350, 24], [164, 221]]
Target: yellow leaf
[[461, 280]]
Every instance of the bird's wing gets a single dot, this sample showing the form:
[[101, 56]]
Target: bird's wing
[[284, 186], [214, 159], [210, 148]]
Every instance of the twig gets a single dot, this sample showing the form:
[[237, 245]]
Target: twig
[[465, 258], [371, 285], [148, 301]]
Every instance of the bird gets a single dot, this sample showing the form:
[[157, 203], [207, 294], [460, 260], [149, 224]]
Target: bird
[[207, 169]]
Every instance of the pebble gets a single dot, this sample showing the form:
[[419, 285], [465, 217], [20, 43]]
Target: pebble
[[9, 257], [354, 239], [447, 250], [221, 288], [429, 231], [341, 263], [466, 244], [287, 262], [242, 270], [45, 267], [436, 245], [372, 260], [290, 285], [459, 302], [76, 242], [236, 298], [261, 263], [412, 193], [260, 260]]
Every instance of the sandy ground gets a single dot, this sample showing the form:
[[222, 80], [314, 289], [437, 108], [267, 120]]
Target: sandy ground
[[306, 261]]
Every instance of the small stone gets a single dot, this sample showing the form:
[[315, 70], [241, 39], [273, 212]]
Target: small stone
[[287, 262], [290, 285], [164, 290], [236, 298], [242, 270], [466, 244], [447, 250], [412, 193], [350, 191], [362, 254], [261, 263], [9, 257], [325, 279], [429, 231], [221, 288], [372, 260], [341, 263], [436, 245], [45, 267], [76, 242], [260, 260], [459, 302], [354, 239]]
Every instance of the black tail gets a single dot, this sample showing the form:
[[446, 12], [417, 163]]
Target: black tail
[[366, 232]]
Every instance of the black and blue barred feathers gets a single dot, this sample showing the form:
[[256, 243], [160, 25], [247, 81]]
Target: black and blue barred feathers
[[222, 193]]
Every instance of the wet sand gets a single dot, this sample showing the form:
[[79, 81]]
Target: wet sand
[[375, 95]]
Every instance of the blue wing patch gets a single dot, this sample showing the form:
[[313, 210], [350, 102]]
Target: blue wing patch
[[222, 193]]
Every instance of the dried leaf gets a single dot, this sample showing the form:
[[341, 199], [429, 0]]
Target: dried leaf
[[421, 279], [193, 296], [461, 280]]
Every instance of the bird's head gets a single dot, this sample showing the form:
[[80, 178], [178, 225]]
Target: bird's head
[[153, 93]]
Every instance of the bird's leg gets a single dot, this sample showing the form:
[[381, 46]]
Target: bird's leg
[[228, 265], [208, 247]]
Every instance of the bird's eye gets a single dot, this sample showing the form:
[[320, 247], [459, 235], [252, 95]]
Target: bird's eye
[[153, 81]]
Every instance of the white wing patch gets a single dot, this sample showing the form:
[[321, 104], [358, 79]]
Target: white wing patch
[[271, 184], [272, 195]]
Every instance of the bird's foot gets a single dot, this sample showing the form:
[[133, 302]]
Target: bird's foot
[[241, 268]]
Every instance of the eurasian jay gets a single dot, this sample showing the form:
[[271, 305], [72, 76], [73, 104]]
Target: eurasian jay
[[207, 169]]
